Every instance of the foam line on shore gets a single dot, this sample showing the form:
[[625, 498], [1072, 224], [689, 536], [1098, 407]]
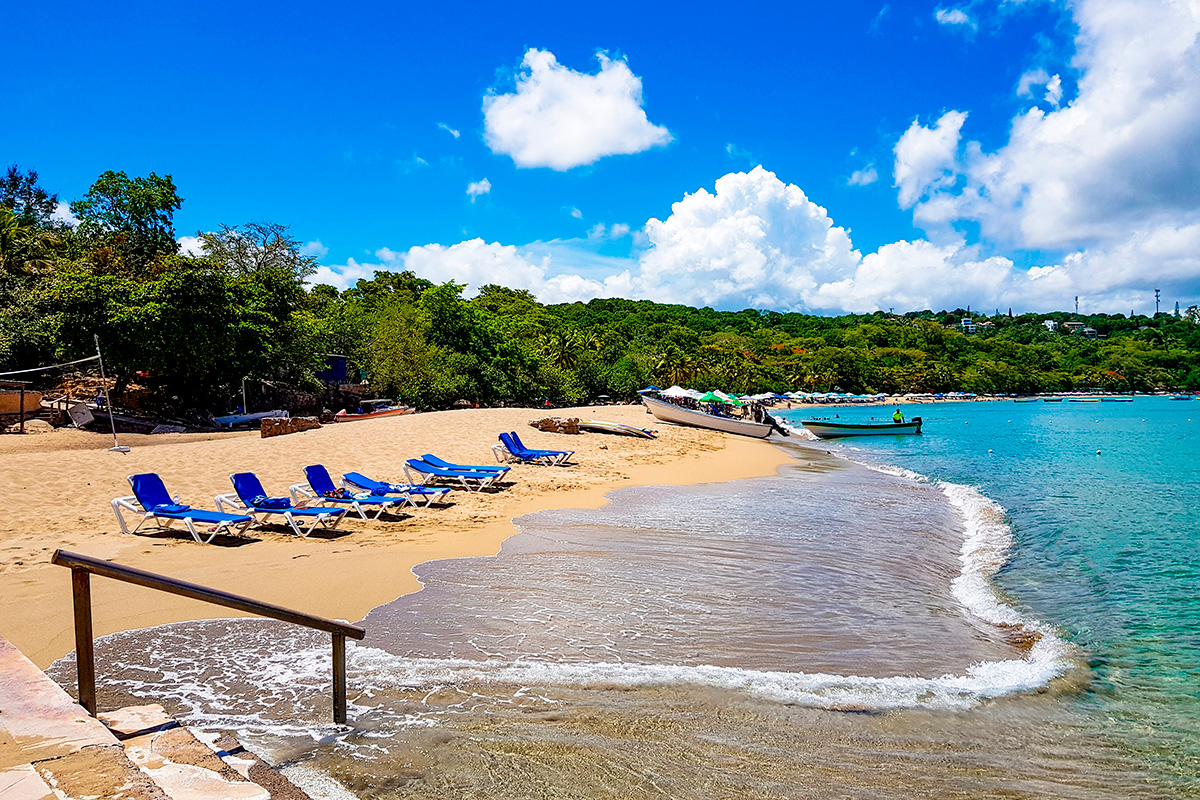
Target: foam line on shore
[[987, 540]]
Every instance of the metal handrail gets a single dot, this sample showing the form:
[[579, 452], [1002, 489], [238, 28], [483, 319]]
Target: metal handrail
[[82, 567]]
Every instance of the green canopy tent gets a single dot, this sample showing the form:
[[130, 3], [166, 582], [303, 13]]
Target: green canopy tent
[[713, 397]]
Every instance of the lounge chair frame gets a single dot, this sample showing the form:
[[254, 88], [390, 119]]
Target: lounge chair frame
[[163, 522], [513, 449], [423, 473], [409, 491], [235, 523], [305, 491], [325, 519]]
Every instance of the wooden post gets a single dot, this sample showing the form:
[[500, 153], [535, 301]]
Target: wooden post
[[339, 678], [85, 661], [22, 408]]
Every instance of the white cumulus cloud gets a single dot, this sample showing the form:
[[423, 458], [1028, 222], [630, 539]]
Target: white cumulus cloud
[[926, 158], [755, 241], [863, 177], [478, 188], [1121, 160], [314, 249], [560, 118], [62, 213], [191, 246], [953, 16]]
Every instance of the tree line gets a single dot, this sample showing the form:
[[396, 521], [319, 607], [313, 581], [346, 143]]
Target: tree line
[[186, 330]]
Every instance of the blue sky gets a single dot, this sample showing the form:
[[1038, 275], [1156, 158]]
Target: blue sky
[[1000, 136]]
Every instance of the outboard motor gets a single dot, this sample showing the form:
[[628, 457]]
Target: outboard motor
[[918, 421], [782, 431]]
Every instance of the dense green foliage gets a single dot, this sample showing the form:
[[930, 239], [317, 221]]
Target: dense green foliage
[[191, 328]]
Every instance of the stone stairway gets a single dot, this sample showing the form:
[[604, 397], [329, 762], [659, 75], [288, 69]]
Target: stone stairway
[[51, 749]]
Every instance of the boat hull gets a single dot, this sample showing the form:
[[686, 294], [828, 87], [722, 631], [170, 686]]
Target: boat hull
[[600, 426], [669, 412], [390, 412], [835, 430], [237, 419]]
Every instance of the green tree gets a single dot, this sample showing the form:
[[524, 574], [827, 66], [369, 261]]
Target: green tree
[[21, 194], [133, 217]]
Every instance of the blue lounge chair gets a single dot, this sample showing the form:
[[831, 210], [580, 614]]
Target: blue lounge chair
[[424, 473], [517, 449], [429, 458], [320, 487], [153, 502], [410, 491], [248, 494]]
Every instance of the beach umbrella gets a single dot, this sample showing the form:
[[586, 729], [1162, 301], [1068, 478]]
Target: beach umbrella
[[676, 391], [649, 389], [712, 397]]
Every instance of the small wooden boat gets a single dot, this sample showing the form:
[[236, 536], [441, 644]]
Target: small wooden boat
[[238, 419], [1181, 397], [374, 409], [1024, 400], [1116, 399], [832, 430], [1083, 399], [669, 412], [1052, 399], [600, 426]]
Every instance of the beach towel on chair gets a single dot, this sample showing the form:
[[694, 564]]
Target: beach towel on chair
[[262, 501]]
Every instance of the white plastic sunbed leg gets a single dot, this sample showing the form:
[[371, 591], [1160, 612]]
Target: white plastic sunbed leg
[[191, 526], [291, 520]]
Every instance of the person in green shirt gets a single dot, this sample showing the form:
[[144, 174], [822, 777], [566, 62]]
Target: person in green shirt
[[898, 417]]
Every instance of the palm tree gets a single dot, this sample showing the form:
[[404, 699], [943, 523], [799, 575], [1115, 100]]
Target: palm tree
[[25, 248]]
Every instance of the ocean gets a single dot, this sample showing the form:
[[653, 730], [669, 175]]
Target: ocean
[[1006, 606]]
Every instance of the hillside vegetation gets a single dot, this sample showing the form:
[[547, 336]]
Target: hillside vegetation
[[188, 330]]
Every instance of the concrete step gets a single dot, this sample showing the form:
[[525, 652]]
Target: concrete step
[[51, 749], [45, 734], [186, 768]]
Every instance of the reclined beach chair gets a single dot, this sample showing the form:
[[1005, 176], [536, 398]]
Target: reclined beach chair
[[429, 458], [411, 492], [517, 449], [153, 502], [320, 487], [424, 473], [248, 494]]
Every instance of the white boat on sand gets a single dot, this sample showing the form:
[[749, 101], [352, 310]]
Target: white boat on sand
[[669, 412]]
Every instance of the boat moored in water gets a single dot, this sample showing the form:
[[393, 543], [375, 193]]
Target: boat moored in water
[[669, 412], [832, 430]]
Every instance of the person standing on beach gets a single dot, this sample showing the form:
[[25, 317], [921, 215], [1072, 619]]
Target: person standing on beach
[[898, 417]]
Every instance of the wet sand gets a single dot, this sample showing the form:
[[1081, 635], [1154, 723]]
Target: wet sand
[[55, 490]]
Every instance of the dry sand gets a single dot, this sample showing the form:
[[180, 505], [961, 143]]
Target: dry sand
[[55, 490]]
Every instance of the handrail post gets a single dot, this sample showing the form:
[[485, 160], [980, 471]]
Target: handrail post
[[339, 679], [82, 567], [85, 661]]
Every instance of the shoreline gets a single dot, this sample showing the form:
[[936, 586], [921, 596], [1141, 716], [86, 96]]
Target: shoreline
[[53, 497]]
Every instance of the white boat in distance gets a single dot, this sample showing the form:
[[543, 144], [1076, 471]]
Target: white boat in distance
[[669, 412]]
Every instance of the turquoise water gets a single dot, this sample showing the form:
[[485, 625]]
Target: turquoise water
[[1102, 499]]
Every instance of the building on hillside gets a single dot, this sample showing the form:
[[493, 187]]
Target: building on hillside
[[1050, 325], [1088, 333], [1074, 327], [967, 325]]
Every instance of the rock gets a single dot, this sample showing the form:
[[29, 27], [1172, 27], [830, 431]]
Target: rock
[[556, 424], [275, 426]]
